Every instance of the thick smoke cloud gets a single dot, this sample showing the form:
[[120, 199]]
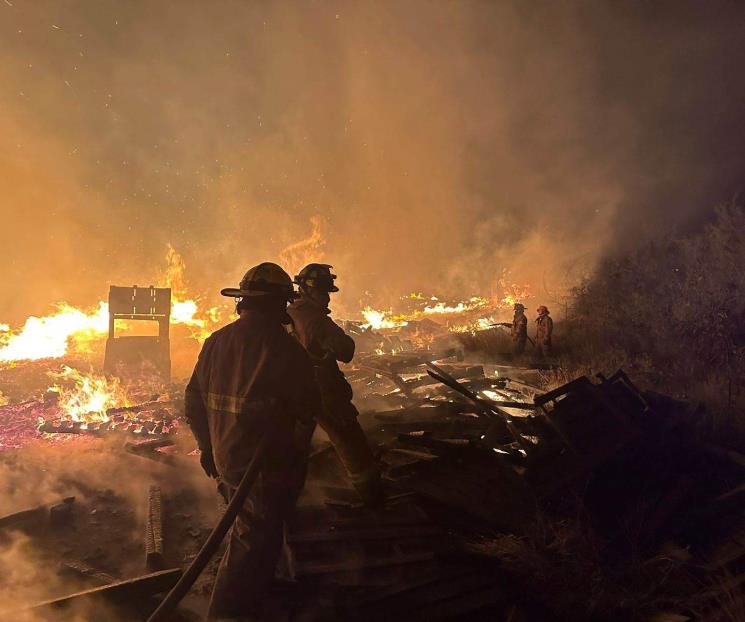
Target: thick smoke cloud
[[436, 143]]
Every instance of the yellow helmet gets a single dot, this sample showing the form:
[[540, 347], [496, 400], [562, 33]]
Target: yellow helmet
[[266, 279]]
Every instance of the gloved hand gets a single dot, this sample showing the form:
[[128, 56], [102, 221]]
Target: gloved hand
[[208, 463]]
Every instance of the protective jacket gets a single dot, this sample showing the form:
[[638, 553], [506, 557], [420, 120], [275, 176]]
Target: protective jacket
[[250, 374], [519, 327], [544, 329], [327, 343], [519, 332]]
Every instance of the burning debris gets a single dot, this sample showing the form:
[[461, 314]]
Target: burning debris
[[475, 456], [472, 453], [72, 331]]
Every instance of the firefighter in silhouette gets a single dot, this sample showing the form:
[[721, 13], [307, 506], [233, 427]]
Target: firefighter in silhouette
[[544, 329], [327, 343], [519, 330], [252, 379]]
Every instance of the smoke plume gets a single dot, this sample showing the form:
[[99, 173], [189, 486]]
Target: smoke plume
[[434, 145]]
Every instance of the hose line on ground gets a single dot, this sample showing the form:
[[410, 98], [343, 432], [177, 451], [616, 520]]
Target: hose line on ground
[[174, 597]]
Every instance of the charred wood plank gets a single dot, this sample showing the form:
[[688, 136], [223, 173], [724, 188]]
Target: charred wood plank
[[38, 513], [352, 565], [140, 407], [458, 594], [149, 449], [135, 589], [389, 533], [81, 569], [154, 530]]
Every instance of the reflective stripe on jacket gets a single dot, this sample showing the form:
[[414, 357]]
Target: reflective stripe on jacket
[[249, 373]]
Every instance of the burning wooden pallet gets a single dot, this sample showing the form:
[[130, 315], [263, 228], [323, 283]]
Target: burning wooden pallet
[[151, 419]]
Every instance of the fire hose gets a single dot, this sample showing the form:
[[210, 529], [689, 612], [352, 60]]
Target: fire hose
[[177, 593]]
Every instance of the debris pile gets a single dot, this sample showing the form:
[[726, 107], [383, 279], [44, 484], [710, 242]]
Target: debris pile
[[490, 483], [475, 461]]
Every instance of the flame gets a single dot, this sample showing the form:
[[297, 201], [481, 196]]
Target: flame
[[483, 323], [305, 251], [185, 310], [87, 397], [174, 276], [50, 336], [478, 312], [476, 302], [512, 293], [380, 319], [73, 329]]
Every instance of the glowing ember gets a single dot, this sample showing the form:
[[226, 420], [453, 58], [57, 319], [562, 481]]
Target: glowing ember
[[49, 337], [87, 397]]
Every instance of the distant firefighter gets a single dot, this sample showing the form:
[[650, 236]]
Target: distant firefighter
[[327, 343], [544, 330], [519, 331]]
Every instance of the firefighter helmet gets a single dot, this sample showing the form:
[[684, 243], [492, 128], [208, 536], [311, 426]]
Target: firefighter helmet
[[543, 310], [317, 275], [266, 279]]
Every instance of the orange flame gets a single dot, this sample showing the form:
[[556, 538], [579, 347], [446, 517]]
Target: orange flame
[[381, 319], [50, 336], [306, 251], [87, 397], [73, 329]]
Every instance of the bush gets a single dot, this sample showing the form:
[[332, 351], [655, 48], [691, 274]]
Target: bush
[[672, 311]]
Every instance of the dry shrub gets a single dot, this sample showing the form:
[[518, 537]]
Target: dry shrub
[[562, 566], [671, 312]]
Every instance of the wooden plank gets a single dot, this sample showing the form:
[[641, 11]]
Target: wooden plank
[[461, 605], [389, 533], [149, 449], [154, 530], [401, 587], [17, 519], [137, 588], [352, 565], [457, 594], [80, 568]]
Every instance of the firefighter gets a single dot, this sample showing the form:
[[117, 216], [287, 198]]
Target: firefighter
[[544, 329], [252, 379], [327, 343], [519, 331]]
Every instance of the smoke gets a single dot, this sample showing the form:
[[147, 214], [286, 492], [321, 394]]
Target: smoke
[[108, 521], [437, 143]]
